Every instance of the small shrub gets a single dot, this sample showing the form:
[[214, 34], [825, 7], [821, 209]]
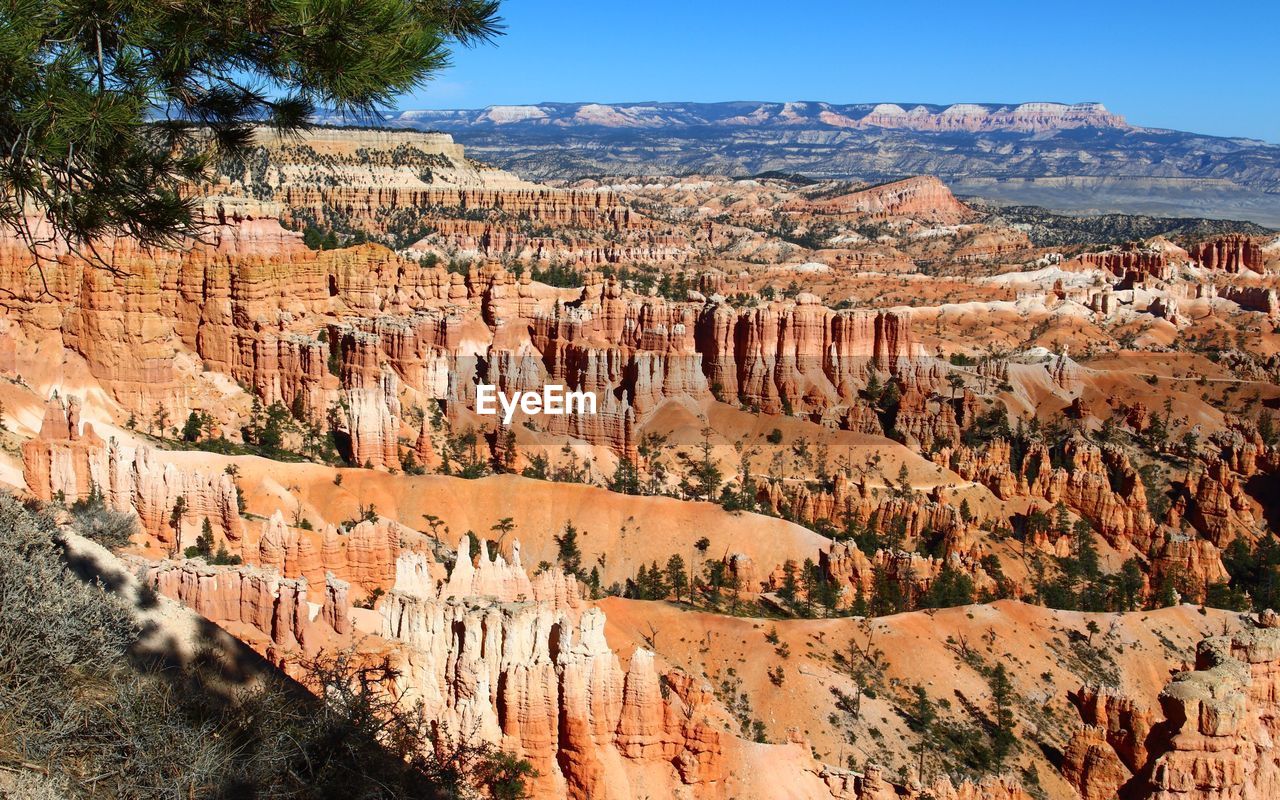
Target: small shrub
[[106, 526]]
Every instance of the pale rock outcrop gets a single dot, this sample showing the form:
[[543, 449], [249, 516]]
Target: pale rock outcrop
[[539, 678], [1253, 298]]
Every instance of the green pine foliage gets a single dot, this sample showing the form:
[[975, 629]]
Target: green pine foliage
[[626, 478], [107, 109], [1255, 575], [568, 553]]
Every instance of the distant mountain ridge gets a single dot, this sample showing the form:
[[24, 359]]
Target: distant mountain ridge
[[1067, 157], [1025, 117]]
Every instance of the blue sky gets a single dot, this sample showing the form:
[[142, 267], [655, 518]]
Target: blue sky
[[1210, 67]]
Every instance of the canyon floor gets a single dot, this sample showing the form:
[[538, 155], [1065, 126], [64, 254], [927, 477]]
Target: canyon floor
[[885, 494]]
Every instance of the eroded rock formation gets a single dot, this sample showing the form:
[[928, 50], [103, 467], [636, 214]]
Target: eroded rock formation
[[923, 197], [1232, 253], [68, 462], [1212, 737], [343, 338]]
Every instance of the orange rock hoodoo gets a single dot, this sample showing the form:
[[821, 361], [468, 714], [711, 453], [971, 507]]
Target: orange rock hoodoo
[[66, 462], [492, 655], [1133, 264], [340, 336], [1232, 253], [1210, 739]]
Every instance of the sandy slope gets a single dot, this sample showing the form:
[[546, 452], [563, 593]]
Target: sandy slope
[[626, 530], [1044, 650]]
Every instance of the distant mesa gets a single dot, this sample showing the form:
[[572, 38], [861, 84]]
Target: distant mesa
[[504, 114]]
